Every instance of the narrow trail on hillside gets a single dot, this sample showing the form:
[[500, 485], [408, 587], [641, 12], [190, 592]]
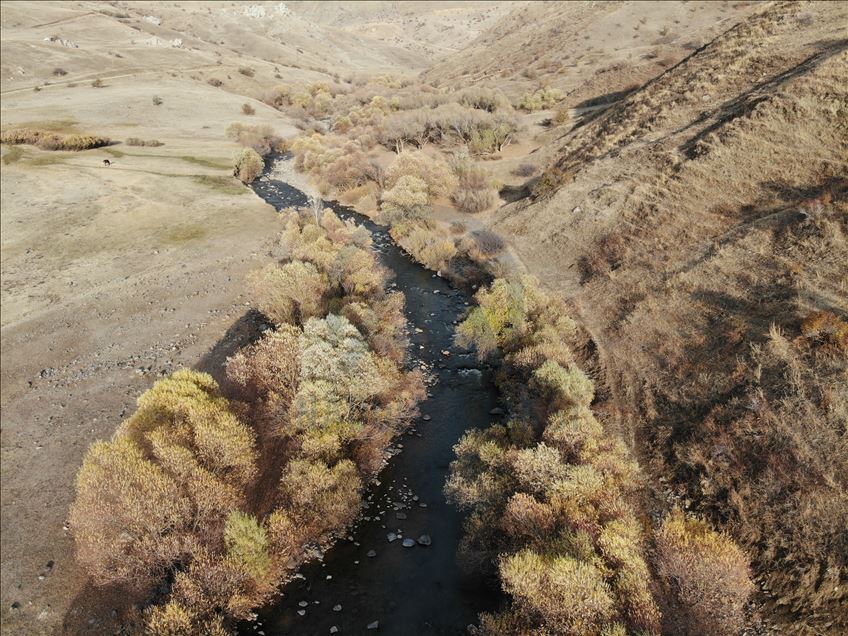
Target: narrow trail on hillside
[[369, 577]]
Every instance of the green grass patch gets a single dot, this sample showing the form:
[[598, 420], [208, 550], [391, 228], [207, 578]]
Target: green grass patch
[[225, 185], [14, 154], [47, 159], [207, 163], [52, 125], [184, 234]]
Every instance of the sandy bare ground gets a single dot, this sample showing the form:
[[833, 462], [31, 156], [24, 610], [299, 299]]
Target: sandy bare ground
[[111, 276]]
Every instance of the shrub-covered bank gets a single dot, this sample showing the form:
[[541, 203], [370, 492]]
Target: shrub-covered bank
[[553, 498], [205, 503], [437, 138]]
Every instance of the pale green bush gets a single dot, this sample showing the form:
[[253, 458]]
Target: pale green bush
[[248, 165], [564, 386], [408, 200], [434, 172], [290, 293], [540, 99]]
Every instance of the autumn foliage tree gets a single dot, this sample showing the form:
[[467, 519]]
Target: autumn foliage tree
[[247, 165], [184, 493], [549, 501], [170, 477]]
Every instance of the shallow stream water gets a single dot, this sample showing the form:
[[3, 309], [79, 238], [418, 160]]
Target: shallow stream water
[[405, 590]]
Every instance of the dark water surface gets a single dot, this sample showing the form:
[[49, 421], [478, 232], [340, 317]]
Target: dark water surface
[[414, 590]]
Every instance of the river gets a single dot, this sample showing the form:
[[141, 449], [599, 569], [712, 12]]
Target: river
[[415, 590]]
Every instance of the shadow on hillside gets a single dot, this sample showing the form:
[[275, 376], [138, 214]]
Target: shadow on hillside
[[243, 332], [511, 194], [747, 101], [100, 610], [607, 99]]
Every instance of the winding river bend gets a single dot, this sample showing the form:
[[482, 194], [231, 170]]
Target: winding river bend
[[365, 578]]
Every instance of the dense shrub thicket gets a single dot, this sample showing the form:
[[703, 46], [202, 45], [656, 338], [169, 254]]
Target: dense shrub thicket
[[344, 125], [247, 165], [137, 141], [407, 190], [550, 492], [218, 498], [475, 190], [52, 141], [260, 137]]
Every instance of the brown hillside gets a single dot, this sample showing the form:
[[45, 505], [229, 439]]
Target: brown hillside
[[588, 50], [697, 224]]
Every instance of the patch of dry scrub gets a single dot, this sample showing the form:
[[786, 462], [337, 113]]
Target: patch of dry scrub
[[52, 141], [552, 497]]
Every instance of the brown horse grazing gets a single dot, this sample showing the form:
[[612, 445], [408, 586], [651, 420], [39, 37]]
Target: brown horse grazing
[[106, 162]]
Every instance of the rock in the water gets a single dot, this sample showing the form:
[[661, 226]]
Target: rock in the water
[[301, 612], [400, 515], [408, 543], [303, 603], [391, 537], [496, 411], [425, 539], [374, 625], [426, 418], [334, 630], [337, 608], [371, 553]]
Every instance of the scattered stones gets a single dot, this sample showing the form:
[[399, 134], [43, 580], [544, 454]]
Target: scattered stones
[[409, 543], [337, 608], [371, 553], [391, 537], [301, 612], [400, 515], [334, 630], [426, 418], [303, 604], [425, 539], [374, 625]]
